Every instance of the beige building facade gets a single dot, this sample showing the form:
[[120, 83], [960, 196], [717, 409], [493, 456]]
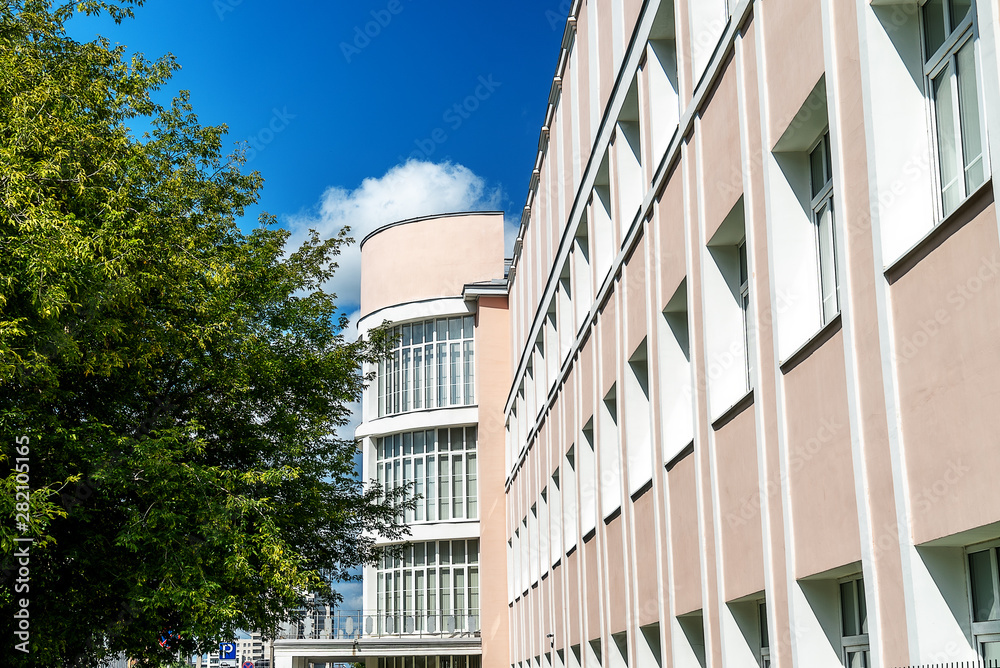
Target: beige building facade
[[755, 319], [432, 422]]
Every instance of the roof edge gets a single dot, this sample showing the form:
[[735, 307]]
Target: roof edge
[[407, 221]]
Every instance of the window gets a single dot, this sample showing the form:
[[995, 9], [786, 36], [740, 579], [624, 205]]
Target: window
[[609, 455], [984, 590], [821, 178], [441, 466], [854, 624], [430, 365], [638, 432], [951, 85], [745, 306], [765, 642], [432, 587], [728, 315]]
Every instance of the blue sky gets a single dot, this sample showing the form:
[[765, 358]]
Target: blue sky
[[335, 96], [350, 107]]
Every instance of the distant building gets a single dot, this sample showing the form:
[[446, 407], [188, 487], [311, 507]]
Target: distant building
[[433, 418]]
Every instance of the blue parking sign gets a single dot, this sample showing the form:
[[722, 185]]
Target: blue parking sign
[[227, 650]]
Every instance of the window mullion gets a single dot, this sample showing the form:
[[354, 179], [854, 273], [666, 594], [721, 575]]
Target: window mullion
[[957, 121]]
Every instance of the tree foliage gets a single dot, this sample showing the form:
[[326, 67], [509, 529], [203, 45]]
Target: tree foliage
[[180, 382]]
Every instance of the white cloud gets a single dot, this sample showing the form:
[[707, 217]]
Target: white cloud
[[409, 190]]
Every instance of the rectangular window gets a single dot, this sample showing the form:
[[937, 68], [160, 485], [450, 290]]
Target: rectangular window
[[455, 361], [745, 305], [417, 369], [821, 177], [472, 486], [467, 356], [952, 86], [854, 624], [446, 485], [765, 643], [609, 454], [984, 589]]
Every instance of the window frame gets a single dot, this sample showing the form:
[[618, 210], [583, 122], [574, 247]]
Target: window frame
[[822, 198], [988, 631], [744, 279], [859, 642], [764, 656], [945, 57]]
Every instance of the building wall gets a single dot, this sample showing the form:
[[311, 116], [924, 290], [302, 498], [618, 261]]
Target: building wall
[[701, 468], [447, 270]]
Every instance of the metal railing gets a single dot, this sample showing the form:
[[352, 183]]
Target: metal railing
[[357, 624], [978, 663]]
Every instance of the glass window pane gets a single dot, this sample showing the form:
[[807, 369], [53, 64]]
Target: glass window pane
[[444, 552], [474, 551], [455, 367], [470, 438], [417, 373], [431, 489], [762, 615], [862, 608], [472, 485], [407, 443], [968, 114], [951, 181], [428, 373], [442, 329], [959, 10], [442, 375], [406, 335], [458, 488], [827, 262], [418, 487], [816, 171], [418, 442], [457, 436], [848, 608], [469, 373], [458, 551], [991, 653], [429, 438], [444, 479], [454, 328], [469, 327], [984, 598], [934, 28]]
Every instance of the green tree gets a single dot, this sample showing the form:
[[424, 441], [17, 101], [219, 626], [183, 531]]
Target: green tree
[[177, 383]]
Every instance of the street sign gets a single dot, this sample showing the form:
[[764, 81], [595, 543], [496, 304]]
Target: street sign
[[248, 664], [227, 650]]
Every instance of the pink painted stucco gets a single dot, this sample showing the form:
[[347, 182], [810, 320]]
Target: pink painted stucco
[[445, 253]]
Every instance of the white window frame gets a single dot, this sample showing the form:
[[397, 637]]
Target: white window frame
[[822, 199], [744, 278], [947, 56]]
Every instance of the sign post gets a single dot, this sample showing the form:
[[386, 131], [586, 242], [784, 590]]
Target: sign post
[[227, 654]]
